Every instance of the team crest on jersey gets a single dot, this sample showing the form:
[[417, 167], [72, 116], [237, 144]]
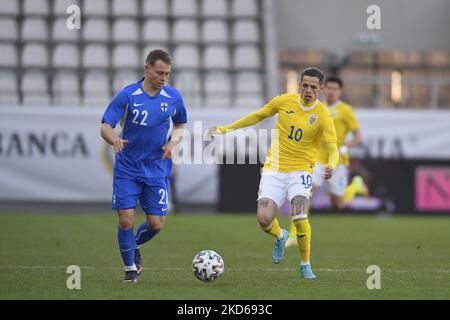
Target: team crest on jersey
[[313, 119], [164, 106]]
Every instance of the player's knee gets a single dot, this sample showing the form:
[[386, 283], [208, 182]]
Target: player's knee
[[155, 225], [126, 222], [266, 212]]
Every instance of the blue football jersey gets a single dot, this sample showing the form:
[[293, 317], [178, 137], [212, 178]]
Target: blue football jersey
[[147, 123]]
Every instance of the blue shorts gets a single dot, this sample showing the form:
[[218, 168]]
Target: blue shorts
[[152, 193]]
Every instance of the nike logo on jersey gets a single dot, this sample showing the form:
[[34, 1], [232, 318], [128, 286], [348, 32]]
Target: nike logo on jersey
[[138, 104], [164, 209], [290, 112]]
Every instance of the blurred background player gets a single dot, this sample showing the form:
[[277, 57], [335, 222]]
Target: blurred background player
[[341, 193], [148, 109], [303, 123]]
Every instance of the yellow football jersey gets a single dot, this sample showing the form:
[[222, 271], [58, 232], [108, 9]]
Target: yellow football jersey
[[345, 121], [299, 132]]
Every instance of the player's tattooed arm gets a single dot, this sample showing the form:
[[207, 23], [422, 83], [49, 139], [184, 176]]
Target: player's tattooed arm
[[300, 205]]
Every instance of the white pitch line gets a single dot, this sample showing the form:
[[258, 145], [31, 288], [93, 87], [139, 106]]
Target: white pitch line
[[228, 269]]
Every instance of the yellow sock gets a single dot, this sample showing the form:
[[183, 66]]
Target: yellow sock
[[274, 229], [293, 230], [350, 192], [303, 239]]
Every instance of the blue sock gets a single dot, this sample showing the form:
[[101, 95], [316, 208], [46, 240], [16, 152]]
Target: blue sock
[[144, 234], [127, 245]]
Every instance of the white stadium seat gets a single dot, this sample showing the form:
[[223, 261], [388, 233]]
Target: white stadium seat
[[95, 8], [96, 29], [121, 8], [125, 30], [8, 58], [125, 56], [8, 88], [214, 8], [35, 55], [185, 30], [186, 56], [123, 78], [65, 87], [61, 33], [34, 29], [152, 8], [184, 8], [60, 6], [35, 88], [214, 31], [66, 56], [95, 56], [216, 57], [96, 89], [189, 85], [244, 8], [156, 30], [246, 31], [35, 7], [247, 57], [217, 89], [8, 29], [249, 82], [9, 7]]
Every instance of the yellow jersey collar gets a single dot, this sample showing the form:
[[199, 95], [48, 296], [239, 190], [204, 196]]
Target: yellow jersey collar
[[308, 106]]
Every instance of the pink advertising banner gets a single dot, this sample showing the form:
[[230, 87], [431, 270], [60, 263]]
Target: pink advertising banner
[[433, 188]]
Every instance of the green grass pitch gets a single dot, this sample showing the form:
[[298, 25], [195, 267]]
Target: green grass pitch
[[412, 252]]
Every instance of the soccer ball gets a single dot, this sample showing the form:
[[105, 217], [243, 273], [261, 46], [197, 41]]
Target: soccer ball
[[207, 265]]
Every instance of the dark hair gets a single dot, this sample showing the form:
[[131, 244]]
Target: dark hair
[[156, 55], [335, 79], [313, 72]]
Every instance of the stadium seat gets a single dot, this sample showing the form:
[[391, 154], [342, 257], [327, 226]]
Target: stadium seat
[[8, 88], [125, 30], [249, 82], [95, 8], [35, 88], [9, 7], [8, 29], [214, 31], [61, 33], [35, 7], [34, 29], [95, 29], [249, 101], [217, 89], [35, 55], [216, 57], [247, 57], [189, 85], [214, 8], [155, 8], [96, 89], [184, 8], [125, 56], [127, 8], [8, 58], [65, 87], [123, 78], [156, 30], [246, 31], [66, 56], [95, 56], [244, 8], [186, 56], [60, 6], [185, 30]]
